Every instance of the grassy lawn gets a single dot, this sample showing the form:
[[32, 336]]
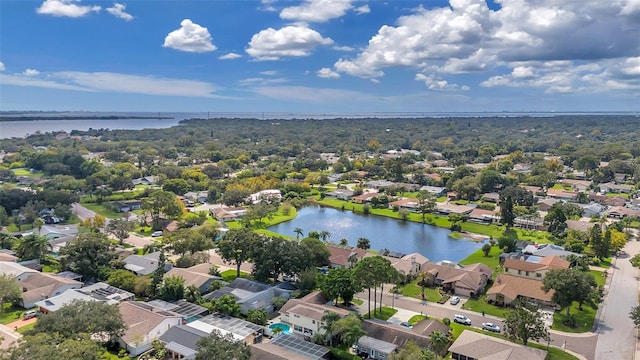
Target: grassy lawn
[[26, 172], [113, 355], [584, 319], [492, 261], [599, 276], [230, 275], [383, 314], [412, 289], [99, 209], [481, 305], [26, 328], [11, 314], [416, 319]]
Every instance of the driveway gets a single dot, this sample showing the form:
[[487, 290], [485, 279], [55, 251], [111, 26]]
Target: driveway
[[8, 336], [617, 334], [82, 212]]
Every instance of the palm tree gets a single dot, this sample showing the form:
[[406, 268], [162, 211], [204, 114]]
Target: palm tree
[[298, 232], [328, 320], [350, 329], [364, 243], [439, 342], [38, 223], [276, 331], [325, 235], [33, 246], [423, 277]]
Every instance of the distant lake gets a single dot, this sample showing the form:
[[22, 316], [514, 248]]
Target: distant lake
[[382, 232], [9, 129]]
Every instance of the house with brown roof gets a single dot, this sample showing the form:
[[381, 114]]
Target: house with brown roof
[[534, 267], [408, 265], [615, 188], [546, 204], [468, 280], [400, 335], [341, 256], [228, 213], [450, 208], [144, 324], [620, 212], [364, 198], [304, 315], [405, 203], [578, 185], [199, 280], [562, 194], [507, 288], [615, 200], [483, 216], [578, 225], [472, 345]]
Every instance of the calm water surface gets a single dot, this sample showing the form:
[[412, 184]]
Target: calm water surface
[[382, 232]]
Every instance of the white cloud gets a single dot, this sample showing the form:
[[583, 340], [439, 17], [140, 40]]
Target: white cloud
[[524, 36], [119, 10], [269, 73], [364, 9], [294, 40], [191, 37], [317, 10], [2, 66], [327, 73], [343, 48], [66, 8], [230, 56], [434, 83], [312, 95], [31, 72], [261, 81], [113, 83]]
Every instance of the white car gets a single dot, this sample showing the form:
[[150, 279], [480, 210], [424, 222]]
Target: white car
[[461, 319], [490, 327], [156, 234], [454, 300]]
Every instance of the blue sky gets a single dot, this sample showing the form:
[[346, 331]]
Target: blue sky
[[320, 56]]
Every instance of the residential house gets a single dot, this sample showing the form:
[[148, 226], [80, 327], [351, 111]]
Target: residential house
[[304, 315], [620, 212], [507, 288], [434, 190], [578, 185], [593, 209], [450, 208], [472, 345], [599, 198], [341, 194], [468, 281], [534, 267], [125, 206], [270, 194], [249, 294], [615, 188], [197, 196], [228, 213], [434, 176], [147, 180], [199, 280], [181, 341], [100, 291], [491, 197], [35, 285], [288, 347], [543, 250], [8, 255], [145, 264], [364, 198], [144, 324], [379, 184], [238, 329], [400, 335], [562, 194], [579, 225], [546, 204], [188, 311], [615, 200], [408, 265], [406, 203], [619, 178], [535, 190], [342, 256], [483, 216], [375, 348]]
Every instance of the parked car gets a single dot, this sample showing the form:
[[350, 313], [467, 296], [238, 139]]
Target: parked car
[[461, 319], [156, 234], [490, 327], [454, 300], [406, 324], [289, 277], [29, 314]]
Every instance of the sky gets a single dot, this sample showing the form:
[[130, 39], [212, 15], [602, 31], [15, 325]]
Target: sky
[[320, 56]]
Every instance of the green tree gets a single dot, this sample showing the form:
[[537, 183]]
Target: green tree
[[600, 244], [120, 228], [299, 232], [325, 235], [411, 351], [81, 317], [525, 323], [33, 246], [570, 285], [45, 346], [635, 316], [350, 329], [176, 186], [123, 279], [426, 204], [158, 275], [316, 252], [219, 347], [38, 223], [237, 246], [556, 220], [635, 260], [172, 288], [403, 214], [506, 212], [439, 342], [507, 241], [329, 319], [10, 290], [88, 255], [257, 316], [226, 305], [339, 282], [486, 249], [364, 243], [162, 203]]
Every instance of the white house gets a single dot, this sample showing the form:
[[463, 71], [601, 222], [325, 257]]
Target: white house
[[144, 324], [304, 316]]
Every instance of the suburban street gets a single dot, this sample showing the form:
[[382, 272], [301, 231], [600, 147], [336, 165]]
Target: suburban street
[[617, 335], [582, 344], [82, 212]]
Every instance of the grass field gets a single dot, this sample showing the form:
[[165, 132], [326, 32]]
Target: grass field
[[10, 314], [27, 172], [383, 314], [584, 319], [100, 209], [412, 289], [481, 304], [230, 275], [417, 318]]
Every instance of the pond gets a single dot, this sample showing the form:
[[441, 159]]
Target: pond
[[382, 232]]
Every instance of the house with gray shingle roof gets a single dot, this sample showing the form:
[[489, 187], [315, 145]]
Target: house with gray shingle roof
[[473, 345]]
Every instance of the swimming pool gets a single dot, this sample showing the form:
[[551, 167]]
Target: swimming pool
[[286, 329]]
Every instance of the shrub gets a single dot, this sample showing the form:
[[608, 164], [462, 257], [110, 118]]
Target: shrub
[[446, 321]]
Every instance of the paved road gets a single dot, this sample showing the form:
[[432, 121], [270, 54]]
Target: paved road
[[82, 212], [617, 336], [582, 344]]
